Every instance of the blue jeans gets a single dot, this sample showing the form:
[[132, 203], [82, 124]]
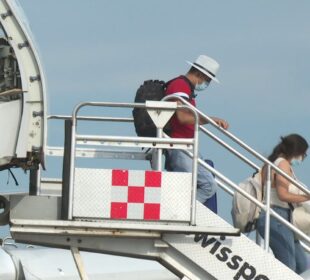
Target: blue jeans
[[282, 241], [178, 161]]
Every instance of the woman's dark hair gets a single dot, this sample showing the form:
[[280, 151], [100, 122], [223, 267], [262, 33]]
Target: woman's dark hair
[[290, 146]]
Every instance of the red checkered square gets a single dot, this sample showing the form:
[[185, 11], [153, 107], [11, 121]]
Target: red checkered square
[[118, 210], [153, 179], [151, 211], [135, 201], [119, 177], [136, 194]]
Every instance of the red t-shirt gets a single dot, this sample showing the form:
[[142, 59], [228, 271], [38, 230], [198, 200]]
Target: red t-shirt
[[184, 89]]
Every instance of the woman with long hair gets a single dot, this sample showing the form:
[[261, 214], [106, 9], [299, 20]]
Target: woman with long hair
[[290, 152]]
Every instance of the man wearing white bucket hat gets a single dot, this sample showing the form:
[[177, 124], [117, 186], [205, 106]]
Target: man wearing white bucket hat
[[199, 76]]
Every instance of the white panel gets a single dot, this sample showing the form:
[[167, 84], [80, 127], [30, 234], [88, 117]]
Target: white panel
[[136, 178], [176, 196], [93, 194], [92, 191], [135, 211], [119, 194], [10, 114], [152, 195]]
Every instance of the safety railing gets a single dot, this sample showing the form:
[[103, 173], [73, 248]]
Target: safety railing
[[52, 186], [96, 153], [222, 180], [157, 143]]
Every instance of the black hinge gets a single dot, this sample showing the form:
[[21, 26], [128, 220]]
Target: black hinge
[[23, 45], [35, 78], [37, 114], [7, 14]]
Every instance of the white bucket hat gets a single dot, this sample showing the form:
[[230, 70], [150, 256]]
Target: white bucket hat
[[207, 66]]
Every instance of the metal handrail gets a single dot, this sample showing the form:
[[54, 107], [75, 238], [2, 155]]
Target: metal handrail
[[270, 167], [134, 139], [90, 118], [231, 192], [75, 137], [241, 143], [250, 197], [229, 148]]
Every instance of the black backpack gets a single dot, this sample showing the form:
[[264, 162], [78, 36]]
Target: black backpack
[[150, 90]]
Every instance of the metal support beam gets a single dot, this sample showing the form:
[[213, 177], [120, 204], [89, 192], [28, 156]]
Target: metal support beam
[[146, 248], [182, 266], [66, 170], [79, 263], [34, 182], [91, 227]]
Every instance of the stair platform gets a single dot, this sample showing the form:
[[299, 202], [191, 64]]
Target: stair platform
[[106, 228]]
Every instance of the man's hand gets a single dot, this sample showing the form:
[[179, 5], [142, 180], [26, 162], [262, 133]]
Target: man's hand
[[222, 123]]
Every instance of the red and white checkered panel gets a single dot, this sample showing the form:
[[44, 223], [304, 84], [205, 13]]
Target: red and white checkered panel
[[135, 195], [132, 195]]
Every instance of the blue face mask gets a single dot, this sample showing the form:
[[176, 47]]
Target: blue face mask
[[296, 161], [202, 86]]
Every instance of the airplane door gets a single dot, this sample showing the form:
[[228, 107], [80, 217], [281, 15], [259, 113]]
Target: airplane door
[[22, 92], [11, 100]]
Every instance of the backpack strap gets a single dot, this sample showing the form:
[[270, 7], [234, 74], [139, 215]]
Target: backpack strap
[[183, 77], [260, 174], [193, 95]]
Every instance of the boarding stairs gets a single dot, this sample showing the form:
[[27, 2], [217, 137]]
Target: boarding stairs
[[146, 213], [83, 211]]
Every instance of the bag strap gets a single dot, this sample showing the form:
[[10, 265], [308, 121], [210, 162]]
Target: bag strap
[[183, 77], [289, 203], [263, 183], [260, 172], [193, 95]]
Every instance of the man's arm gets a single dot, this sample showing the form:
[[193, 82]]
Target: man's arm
[[222, 123], [186, 117]]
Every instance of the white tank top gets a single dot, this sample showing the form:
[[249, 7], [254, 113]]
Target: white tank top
[[274, 198]]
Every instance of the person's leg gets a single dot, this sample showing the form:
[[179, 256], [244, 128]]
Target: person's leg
[[180, 162], [206, 185], [281, 238], [211, 202], [301, 258], [283, 246]]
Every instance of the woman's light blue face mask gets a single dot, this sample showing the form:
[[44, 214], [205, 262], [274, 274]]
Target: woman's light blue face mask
[[202, 86], [296, 161]]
